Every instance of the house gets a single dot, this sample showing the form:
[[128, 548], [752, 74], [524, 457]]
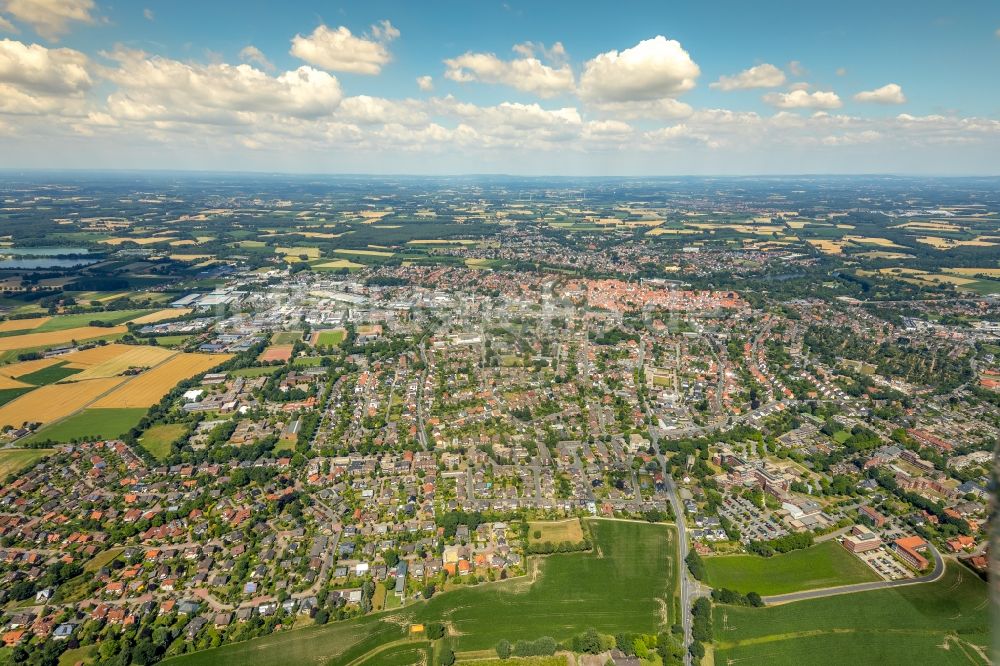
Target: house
[[63, 631], [194, 627], [960, 543]]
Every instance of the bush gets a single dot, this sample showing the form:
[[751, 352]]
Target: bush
[[435, 630], [503, 648]]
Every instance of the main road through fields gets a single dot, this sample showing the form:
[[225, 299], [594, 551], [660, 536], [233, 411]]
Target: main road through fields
[[861, 587]]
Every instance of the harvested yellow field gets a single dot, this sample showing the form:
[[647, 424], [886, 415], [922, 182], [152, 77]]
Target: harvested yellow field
[[146, 389], [318, 234], [366, 253], [660, 231], [95, 355], [138, 240], [880, 254], [183, 242], [9, 383], [440, 241], [55, 401], [22, 324], [190, 257], [340, 263], [845, 226], [991, 272], [927, 226], [27, 367], [827, 246], [160, 315], [871, 240], [127, 357], [311, 252], [374, 214], [947, 243], [30, 340]]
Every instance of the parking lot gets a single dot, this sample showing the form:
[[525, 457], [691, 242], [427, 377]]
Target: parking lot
[[754, 524], [885, 565]]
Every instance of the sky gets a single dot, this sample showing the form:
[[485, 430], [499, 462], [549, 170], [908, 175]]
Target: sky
[[529, 88]]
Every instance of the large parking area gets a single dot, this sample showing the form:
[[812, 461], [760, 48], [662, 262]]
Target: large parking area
[[754, 524], [885, 565]]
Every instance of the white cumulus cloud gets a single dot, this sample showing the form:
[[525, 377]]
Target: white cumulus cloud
[[800, 99], [49, 18], [425, 83], [528, 73], [156, 88], [42, 69], [338, 50], [759, 76], [890, 93], [652, 69]]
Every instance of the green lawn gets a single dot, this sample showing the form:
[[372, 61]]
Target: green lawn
[[157, 440], [331, 338], [14, 460], [628, 582], [286, 337], [946, 622], [49, 375], [91, 424], [827, 564], [172, 340]]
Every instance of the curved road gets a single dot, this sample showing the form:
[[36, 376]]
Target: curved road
[[862, 587]]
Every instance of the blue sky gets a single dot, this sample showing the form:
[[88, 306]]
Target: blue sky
[[593, 88]]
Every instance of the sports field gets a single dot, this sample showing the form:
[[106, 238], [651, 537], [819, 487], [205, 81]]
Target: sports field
[[286, 337], [276, 353], [90, 424], [14, 460], [827, 564], [946, 622], [331, 337], [627, 583]]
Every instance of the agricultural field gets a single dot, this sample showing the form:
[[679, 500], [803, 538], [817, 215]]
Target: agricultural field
[[296, 252], [160, 315], [364, 253], [562, 595], [36, 339], [14, 460], [338, 264], [946, 622], [555, 531], [22, 324], [55, 401], [48, 375], [90, 424], [157, 440], [112, 360], [827, 564], [146, 389]]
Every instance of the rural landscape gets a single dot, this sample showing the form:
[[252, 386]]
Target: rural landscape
[[499, 333]]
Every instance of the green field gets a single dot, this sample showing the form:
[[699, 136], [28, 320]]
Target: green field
[[404, 653], [63, 322], [157, 440], [946, 622], [91, 424], [628, 582], [14, 460], [827, 564], [6, 395], [331, 338], [255, 372], [172, 340], [49, 375], [286, 337]]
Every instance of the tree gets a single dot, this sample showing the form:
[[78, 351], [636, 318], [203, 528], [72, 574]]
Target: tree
[[503, 648], [447, 656]]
